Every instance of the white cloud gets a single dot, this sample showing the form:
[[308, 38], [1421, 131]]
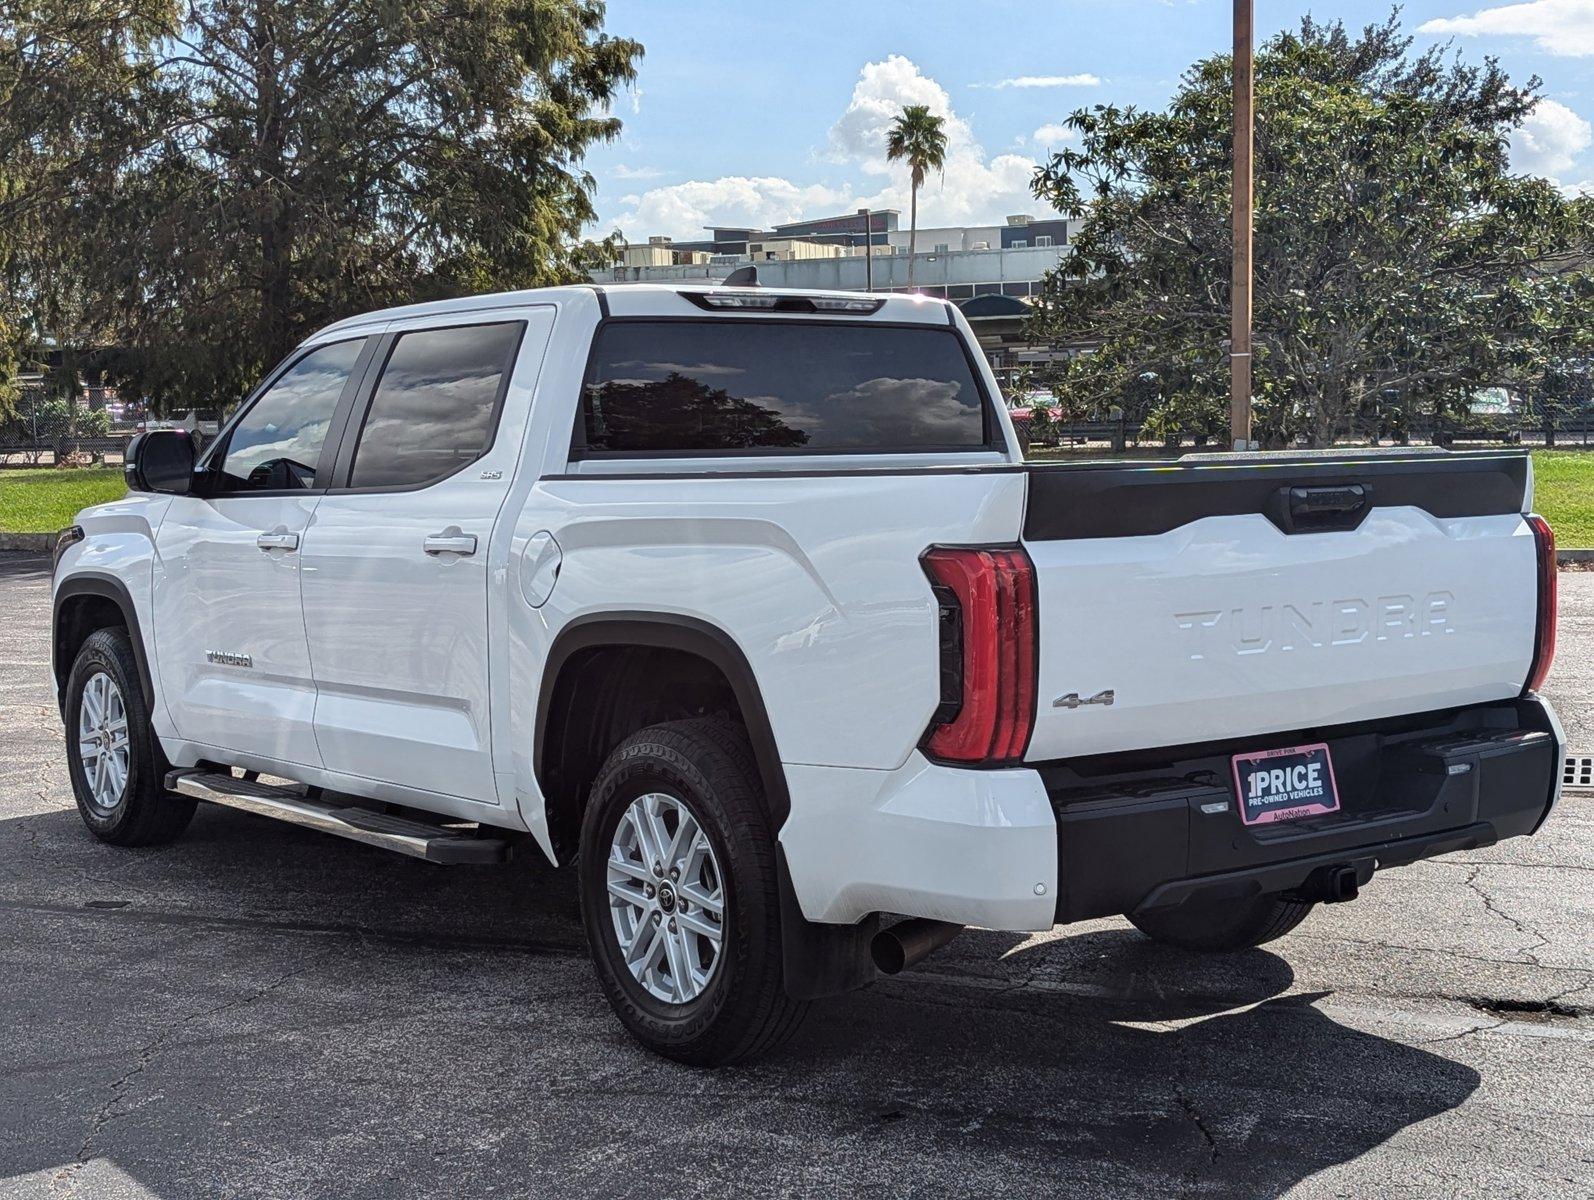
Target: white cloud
[[1550, 141], [1560, 27], [624, 172], [684, 209], [973, 188], [970, 189], [1052, 135], [1084, 79], [882, 91]]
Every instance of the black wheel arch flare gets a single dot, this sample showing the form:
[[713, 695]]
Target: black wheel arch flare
[[671, 631], [105, 587]]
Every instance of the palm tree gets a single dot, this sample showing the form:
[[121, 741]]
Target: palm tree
[[917, 138]]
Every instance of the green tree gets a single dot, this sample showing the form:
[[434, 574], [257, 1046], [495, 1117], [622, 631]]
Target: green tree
[[916, 137], [1395, 253], [301, 160], [1564, 391], [70, 71], [1042, 425]]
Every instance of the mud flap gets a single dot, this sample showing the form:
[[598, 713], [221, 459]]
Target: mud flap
[[821, 960]]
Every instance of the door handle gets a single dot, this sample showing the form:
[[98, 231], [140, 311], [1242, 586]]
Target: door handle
[[450, 541], [279, 540]]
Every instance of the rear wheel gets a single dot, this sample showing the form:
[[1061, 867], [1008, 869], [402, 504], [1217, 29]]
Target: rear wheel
[[679, 895], [113, 758], [1225, 925]]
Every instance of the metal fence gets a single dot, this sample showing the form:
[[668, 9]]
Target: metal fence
[[61, 450], [56, 451], [1571, 432]]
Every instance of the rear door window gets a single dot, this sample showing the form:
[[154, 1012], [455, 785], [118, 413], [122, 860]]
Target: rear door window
[[436, 405], [687, 387]]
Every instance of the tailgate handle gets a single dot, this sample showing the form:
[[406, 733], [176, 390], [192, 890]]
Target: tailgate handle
[[1319, 509]]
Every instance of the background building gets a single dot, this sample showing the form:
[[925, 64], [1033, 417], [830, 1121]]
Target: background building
[[859, 252], [868, 251]]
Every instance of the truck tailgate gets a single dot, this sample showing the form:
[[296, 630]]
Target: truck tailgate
[[1226, 596]]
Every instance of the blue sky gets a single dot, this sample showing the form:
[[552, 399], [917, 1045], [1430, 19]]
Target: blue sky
[[753, 112]]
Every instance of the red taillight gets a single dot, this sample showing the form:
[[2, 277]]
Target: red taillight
[[1544, 641], [988, 654]]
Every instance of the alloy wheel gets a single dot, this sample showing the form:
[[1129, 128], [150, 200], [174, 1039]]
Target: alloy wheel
[[104, 749], [666, 898]]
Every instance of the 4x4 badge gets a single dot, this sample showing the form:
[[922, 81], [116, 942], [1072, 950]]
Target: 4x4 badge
[[1072, 700]]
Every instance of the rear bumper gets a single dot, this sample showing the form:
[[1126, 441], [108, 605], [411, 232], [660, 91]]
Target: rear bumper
[[1137, 835], [1025, 848], [926, 840]]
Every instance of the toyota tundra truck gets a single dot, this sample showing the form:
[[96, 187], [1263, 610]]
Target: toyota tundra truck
[[745, 603]]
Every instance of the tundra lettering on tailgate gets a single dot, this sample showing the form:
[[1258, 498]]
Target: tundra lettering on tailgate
[[1349, 622]]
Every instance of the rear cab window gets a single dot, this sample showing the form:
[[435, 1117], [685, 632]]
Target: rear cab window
[[690, 387], [435, 408]]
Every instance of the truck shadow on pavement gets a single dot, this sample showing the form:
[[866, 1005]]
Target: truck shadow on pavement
[[1105, 1061], [260, 1009]]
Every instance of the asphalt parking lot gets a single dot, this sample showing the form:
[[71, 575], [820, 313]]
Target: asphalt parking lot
[[260, 1010]]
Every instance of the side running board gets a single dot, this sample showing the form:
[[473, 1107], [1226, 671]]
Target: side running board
[[435, 843]]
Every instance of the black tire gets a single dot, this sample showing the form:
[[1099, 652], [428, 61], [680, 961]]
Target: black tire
[[1224, 926], [743, 1011], [145, 813]]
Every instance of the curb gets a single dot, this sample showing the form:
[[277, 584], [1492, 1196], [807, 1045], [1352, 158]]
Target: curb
[[32, 543], [1563, 557]]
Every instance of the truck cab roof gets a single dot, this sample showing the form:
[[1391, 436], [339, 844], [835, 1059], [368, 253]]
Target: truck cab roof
[[653, 299]]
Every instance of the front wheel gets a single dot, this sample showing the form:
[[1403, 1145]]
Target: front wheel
[[679, 895], [113, 757], [1225, 925]]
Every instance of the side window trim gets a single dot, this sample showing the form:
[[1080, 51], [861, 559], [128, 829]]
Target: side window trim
[[353, 422], [354, 428], [581, 450], [215, 454]]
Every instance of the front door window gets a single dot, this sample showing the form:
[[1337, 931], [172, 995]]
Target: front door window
[[277, 444]]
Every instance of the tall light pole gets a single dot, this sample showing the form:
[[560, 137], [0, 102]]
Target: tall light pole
[[868, 250], [1240, 290]]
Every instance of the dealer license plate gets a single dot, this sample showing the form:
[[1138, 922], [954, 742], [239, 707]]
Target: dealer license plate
[[1284, 785]]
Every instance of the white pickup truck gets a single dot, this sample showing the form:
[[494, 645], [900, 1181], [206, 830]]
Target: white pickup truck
[[745, 602]]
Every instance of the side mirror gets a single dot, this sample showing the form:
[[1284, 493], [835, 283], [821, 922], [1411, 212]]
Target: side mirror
[[161, 460]]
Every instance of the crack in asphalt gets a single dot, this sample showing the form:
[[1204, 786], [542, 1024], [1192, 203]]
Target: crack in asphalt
[[1572, 991], [1550, 1006], [67, 1177], [1187, 1104], [26, 825], [1380, 944], [1191, 1111], [1483, 1027], [1003, 988], [1520, 926], [1520, 866], [28, 830]]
